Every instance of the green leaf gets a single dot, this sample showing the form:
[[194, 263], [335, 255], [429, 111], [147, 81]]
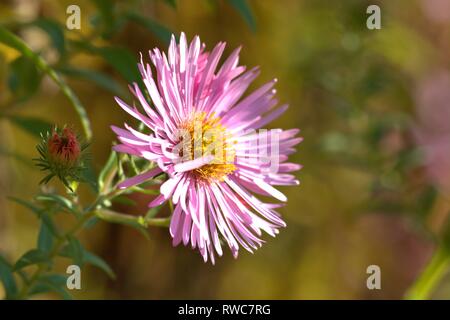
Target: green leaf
[[99, 263], [13, 41], [120, 163], [106, 15], [52, 283], [54, 31], [91, 223], [74, 250], [152, 212], [47, 220], [42, 287], [31, 125], [151, 25], [27, 204], [71, 250], [106, 171], [24, 78], [7, 278], [40, 213], [96, 77], [124, 201], [31, 257], [245, 11], [56, 279], [122, 61], [17, 156], [45, 238], [133, 165], [60, 200], [89, 176]]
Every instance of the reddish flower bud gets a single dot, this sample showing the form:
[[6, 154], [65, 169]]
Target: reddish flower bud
[[64, 147], [62, 156]]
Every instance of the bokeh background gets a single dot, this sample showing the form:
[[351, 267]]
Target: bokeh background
[[373, 107]]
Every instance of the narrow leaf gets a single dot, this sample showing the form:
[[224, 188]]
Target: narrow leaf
[[24, 78], [74, 250], [40, 213], [106, 171], [54, 31], [7, 278], [45, 238], [52, 283], [152, 212], [27, 204], [244, 9], [124, 201], [121, 59], [31, 257], [151, 25], [99, 263], [31, 125], [19, 157], [103, 81], [13, 41], [89, 175], [106, 16], [60, 200]]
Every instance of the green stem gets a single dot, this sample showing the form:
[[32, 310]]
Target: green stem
[[60, 242], [96, 209], [158, 222], [15, 42], [135, 221], [430, 277], [107, 174]]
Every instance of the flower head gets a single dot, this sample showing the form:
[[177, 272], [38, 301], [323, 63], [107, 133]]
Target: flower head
[[209, 140], [63, 147], [62, 156]]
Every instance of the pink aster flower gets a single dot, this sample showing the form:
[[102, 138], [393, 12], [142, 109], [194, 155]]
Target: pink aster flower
[[204, 138]]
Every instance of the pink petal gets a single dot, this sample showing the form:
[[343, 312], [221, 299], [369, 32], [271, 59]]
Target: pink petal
[[193, 164], [140, 178]]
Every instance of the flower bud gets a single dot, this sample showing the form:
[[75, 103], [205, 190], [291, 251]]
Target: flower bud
[[62, 156], [64, 148]]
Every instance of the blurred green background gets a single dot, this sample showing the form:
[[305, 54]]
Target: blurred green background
[[373, 107]]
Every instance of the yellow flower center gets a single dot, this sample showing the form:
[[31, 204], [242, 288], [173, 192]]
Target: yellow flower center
[[203, 136]]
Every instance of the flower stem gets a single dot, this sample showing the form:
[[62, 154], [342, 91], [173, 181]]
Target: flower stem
[[13, 41], [136, 221], [53, 253], [96, 209], [430, 277]]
